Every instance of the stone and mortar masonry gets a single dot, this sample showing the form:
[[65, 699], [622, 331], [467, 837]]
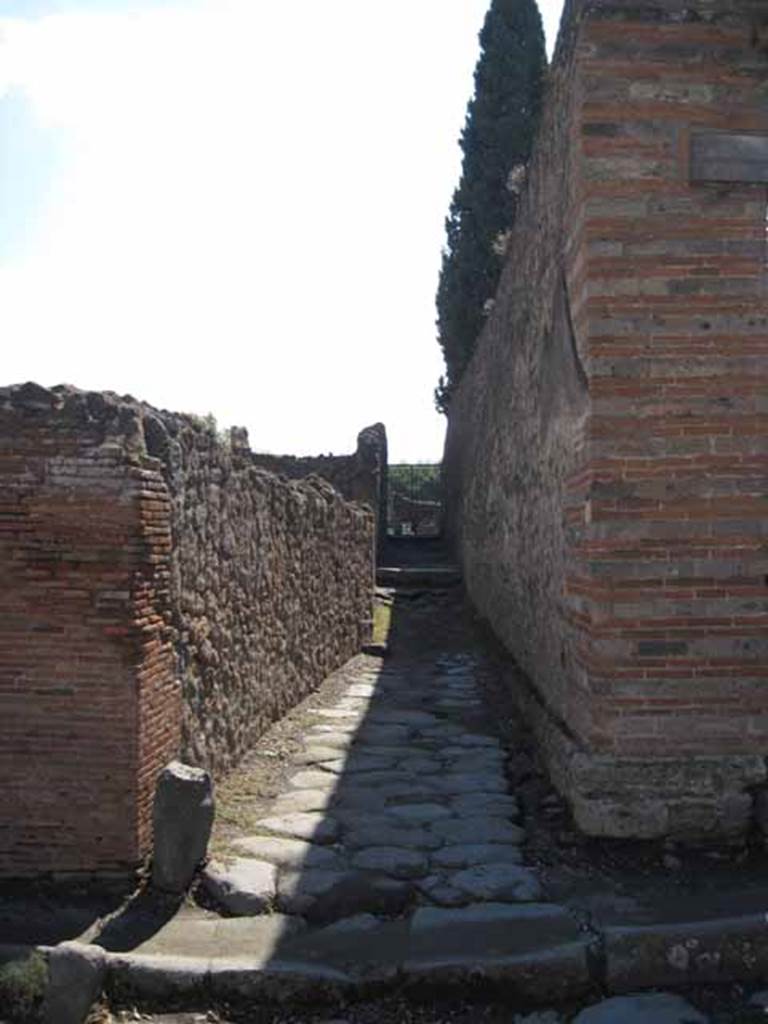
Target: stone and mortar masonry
[[606, 454], [161, 596], [272, 584], [361, 476]]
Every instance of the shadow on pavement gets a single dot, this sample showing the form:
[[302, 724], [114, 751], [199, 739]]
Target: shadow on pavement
[[39, 913], [397, 801]]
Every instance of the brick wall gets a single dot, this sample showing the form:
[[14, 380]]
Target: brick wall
[[89, 710], [159, 595], [624, 561]]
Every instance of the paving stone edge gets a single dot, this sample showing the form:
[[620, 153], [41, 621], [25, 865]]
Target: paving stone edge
[[612, 959]]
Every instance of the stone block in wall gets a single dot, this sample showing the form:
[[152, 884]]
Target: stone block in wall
[[729, 157]]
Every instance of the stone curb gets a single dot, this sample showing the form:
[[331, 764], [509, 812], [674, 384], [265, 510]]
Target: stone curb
[[615, 959], [715, 951], [188, 980], [548, 976], [543, 976]]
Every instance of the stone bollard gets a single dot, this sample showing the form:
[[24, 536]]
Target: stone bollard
[[183, 816]]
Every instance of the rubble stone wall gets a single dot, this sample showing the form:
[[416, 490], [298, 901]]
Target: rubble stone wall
[[272, 584], [161, 595], [606, 458], [361, 476]]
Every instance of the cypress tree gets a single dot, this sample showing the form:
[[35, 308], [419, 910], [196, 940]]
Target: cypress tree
[[496, 141]]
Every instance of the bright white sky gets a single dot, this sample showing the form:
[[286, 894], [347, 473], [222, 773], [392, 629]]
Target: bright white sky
[[235, 206]]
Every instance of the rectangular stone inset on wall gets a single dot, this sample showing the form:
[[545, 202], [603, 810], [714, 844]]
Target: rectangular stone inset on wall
[[729, 157]]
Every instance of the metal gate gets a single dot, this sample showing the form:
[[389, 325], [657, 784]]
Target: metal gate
[[414, 506]]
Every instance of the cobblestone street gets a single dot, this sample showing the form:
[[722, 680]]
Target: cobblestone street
[[398, 798], [392, 834]]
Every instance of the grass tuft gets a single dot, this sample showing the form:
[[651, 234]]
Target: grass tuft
[[382, 620], [22, 987]]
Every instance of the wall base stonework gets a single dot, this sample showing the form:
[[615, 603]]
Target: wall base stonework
[[681, 798]]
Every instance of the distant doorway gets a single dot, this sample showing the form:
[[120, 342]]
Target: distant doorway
[[414, 507]]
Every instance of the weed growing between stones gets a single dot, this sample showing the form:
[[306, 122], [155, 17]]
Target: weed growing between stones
[[382, 620], [22, 987]]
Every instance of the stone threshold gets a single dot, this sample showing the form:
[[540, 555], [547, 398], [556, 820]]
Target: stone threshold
[[432, 577]]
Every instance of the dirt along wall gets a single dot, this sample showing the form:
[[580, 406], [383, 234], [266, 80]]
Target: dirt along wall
[[161, 596], [606, 455]]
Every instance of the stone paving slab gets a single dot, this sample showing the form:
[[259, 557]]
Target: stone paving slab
[[467, 854], [399, 862], [366, 943], [313, 826], [437, 889], [314, 778], [497, 805], [323, 901], [299, 890], [300, 800], [478, 829], [245, 886], [210, 936], [315, 753], [385, 831], [497, 882]]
